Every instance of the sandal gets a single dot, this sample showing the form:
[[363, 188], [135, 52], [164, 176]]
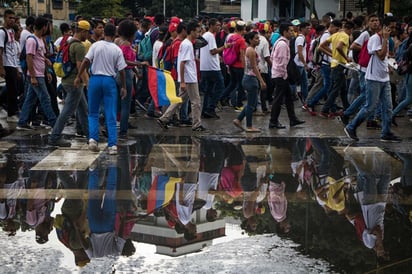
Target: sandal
[[237, 124], [252, 129]]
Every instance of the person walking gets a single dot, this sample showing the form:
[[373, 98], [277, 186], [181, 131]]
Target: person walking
[[250, 82], [107, 59], [280, 58], [75, 99], [36, 68], [378, 89], [187, 77]]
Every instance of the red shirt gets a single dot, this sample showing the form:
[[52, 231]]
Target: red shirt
[[240, 44]]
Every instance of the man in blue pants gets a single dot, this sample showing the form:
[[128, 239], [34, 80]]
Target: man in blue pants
[[107, 58]]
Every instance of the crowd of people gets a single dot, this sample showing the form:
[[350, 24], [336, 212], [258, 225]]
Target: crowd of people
[[226, 62]]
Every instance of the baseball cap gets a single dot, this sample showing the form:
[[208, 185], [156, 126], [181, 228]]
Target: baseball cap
[[241, 23], [296, 22], [84, 25]]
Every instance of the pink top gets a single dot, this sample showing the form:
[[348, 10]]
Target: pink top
[[280, 58], [129, 54], [277, 201], [39, 64]]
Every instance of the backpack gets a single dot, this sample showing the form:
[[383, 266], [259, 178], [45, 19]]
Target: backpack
[[6, 38], [145, 51], [292, 68], [165, 56], [63, 66], [230, 54], [23, 54], [364, 55], [405, 64], [292, 43], [317, 54]]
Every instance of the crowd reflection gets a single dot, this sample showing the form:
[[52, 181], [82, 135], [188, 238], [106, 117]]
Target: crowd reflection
[[348, 205]]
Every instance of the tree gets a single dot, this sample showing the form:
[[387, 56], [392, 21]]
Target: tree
[[183, 8], [101, 8]]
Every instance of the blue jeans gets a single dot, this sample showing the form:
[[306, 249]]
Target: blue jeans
[[408, 99], [327, 84], [251, 85], [213, 88], [103, 88], [125, 103], [75, 101], [353, 88], [376, 92], [338, 83], [303, 82], [235, 85], [33, 93], [102, 216]]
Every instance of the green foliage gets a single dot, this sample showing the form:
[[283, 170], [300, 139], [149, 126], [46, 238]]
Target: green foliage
[[183, 8], [101, 8]]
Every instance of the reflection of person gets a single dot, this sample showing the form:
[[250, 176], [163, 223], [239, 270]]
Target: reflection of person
[[232, 173], [101, 213], [374, 175], [278, 203], [72, 226], [40, 207], [211, 163]]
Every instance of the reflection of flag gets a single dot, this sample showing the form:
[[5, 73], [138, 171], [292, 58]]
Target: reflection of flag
[[161, 192], [162, 87]]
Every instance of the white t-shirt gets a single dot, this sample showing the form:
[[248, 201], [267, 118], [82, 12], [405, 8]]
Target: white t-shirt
[[300, 41], [208, 61], [106, 58], [105, 244], [156, 49], [23, 37], [360, 41], [186, 53], [263, 51], [10, 52], [325, 35], [207, 181], [184, 212], [377, 70]]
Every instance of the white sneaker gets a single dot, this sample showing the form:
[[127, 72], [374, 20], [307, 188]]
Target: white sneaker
[[93, 145], [3, 113], [13, 119], [113, 150]]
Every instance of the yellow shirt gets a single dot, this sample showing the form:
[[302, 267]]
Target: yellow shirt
[[334, 39]]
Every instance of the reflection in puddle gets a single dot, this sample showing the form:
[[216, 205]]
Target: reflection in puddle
[[349, 206]]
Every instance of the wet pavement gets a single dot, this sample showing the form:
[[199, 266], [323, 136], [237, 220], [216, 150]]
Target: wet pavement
[[346, 203]]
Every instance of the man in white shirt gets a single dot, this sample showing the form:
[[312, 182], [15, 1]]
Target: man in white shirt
[[264, 63], [210, 71], [187, 77], [107, 59], [378, 90], [8, 63], [300, 57]]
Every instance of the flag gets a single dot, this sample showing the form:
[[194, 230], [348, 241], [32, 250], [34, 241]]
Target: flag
[[162, 87], [161, 192]]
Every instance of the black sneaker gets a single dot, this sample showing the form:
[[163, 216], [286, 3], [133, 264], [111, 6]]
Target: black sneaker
[[24, 127], [162, 124], [60, 143], [391, 138], [199, 129], [351, 134]]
